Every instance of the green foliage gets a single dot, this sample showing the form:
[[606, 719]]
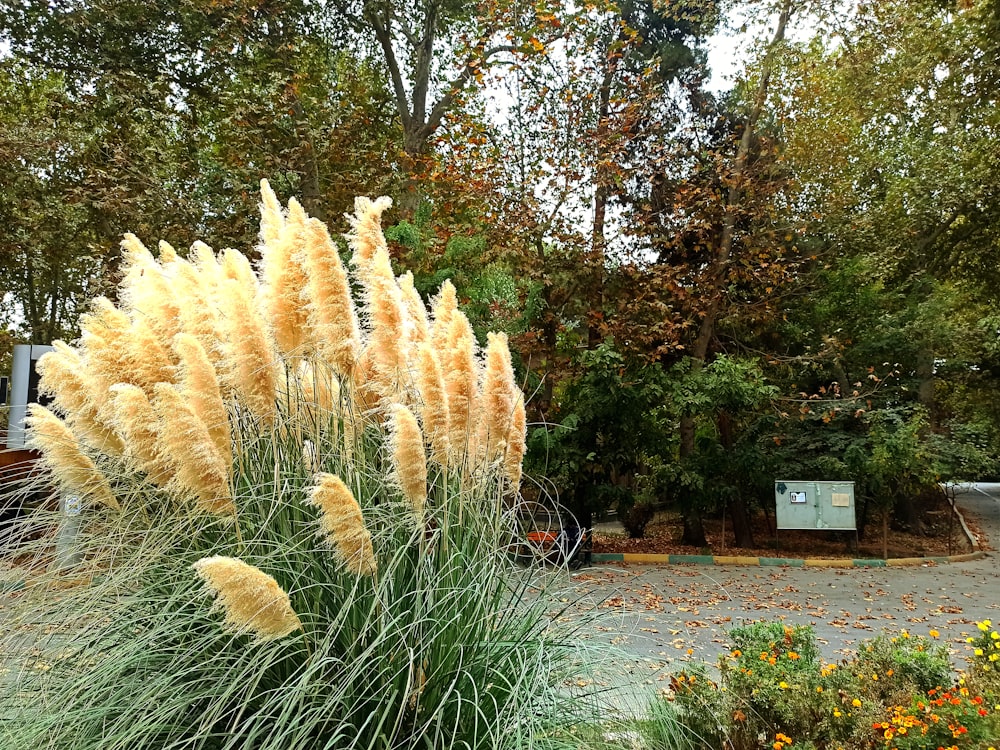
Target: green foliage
[[610, 421]]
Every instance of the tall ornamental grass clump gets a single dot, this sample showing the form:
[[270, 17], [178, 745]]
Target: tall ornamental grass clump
[[295, 515]]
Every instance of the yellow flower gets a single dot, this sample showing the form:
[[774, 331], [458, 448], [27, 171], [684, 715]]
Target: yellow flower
[[994, 657], [783, 685], [978, 652], [819, 689], [934, 634], [836, 713], [856, 703], [995, 636], [984, 625]]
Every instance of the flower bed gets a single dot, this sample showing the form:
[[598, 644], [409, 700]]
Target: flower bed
[[895, 693]]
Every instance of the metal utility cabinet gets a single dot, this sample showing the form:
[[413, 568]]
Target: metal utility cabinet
[[814, 505]]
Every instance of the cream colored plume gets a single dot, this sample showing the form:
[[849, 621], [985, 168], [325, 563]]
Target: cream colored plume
[[249, 363], [460, 384], [283, 281], [272, 219], [136, 421], [168, 256], [202, 392], [499, 393], [185, 441], [105, 333], [235, 266], [367, 390], [151, 363], [388, 338], [64, 377], [146, 292], [341, 524], [207, 264], [514, 452], [408, 458], [366, 236], [334, 333], [61, 377], [433, 403], [196, 297], [443, 309], [416, 312], [252, 600], [61, 453]]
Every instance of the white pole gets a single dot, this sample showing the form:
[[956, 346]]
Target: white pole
[[68, 554]]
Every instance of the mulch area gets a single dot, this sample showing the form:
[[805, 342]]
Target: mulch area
[[663, 534]]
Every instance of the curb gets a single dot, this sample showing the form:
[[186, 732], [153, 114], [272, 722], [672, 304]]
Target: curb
[[650, 559]]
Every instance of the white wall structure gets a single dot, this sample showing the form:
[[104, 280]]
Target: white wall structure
[[23, 389]]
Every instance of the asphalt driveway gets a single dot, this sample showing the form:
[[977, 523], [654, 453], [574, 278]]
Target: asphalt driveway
[[659, 619]]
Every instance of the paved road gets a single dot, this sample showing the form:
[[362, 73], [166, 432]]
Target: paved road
[[661, 618]]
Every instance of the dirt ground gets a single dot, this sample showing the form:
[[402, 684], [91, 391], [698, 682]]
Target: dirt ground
[[663, 534]]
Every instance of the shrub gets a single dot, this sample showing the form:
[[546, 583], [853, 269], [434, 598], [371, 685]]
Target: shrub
[[896, 693], [296, 516]]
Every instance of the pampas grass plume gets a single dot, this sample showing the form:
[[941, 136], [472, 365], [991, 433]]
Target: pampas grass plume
[[61, 452], [65, 377], [443, 309], [409, 459], [460, 384], [514, 452], [137, 422], [416, 312], [433, 403], [235, 266], [201, 389], [252, 600], [366, 236], [249, 362], [151, 362], [333, 321], [341, 524], [498, 395], [388, 331], [272, 220], [105, 334], [185, 441], [283, 281], [145, 291]]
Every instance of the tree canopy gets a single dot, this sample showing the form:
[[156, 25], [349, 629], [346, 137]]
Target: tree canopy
[[704, 289]]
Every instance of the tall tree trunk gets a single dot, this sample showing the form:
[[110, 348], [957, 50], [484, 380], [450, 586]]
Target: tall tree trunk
[[601, 195], [742, 531], [693, 531]]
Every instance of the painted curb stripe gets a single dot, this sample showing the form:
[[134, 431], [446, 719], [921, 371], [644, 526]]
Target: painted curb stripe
[[696, 559], [642, 558], [607, 557], [736, 560], [829, 563], [639, 558], [791, 562]]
